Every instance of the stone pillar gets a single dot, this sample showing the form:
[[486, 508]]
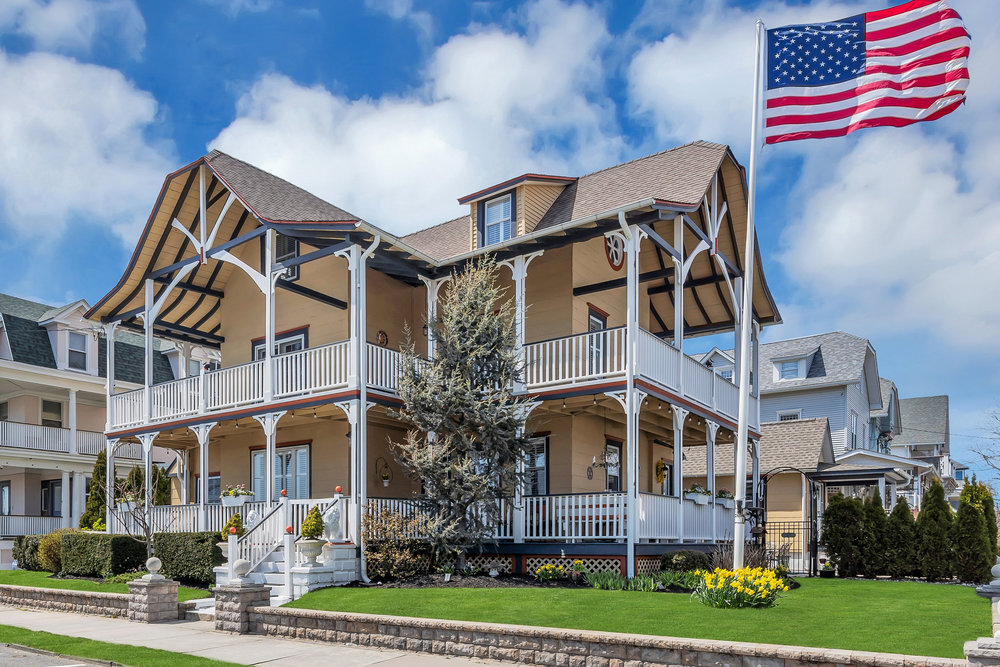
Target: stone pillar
[[232, 603], [152, 599]]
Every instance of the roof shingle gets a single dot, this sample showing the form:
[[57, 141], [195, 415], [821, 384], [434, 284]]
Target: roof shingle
[[800, 443]]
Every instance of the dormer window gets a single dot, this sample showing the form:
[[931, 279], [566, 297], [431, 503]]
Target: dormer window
[[499, 220], [77, 357], [790, 369]]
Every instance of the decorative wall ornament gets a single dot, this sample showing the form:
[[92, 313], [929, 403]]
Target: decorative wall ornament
[[382, 338], [614, 249]]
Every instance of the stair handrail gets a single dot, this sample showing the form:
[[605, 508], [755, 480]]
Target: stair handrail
[[270, 528]]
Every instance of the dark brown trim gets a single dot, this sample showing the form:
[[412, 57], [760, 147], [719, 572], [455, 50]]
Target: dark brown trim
[[279, 445], [603, 313]]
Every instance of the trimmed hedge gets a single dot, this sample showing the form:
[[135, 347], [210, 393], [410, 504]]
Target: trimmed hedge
[[26, 552], [189, 557], [101, 555], [685, 560]]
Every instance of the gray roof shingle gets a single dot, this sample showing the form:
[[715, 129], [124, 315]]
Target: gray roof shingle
[[273, 198], [800, 443], [925, 421], [443, 240], [839, 358]]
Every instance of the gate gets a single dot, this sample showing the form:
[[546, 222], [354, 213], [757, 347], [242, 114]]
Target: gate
[[792, 544]]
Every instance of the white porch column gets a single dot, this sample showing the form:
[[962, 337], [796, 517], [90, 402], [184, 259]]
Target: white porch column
[[185, 476], [109, 344], [358, 421], [892, 494], [269, 422], [680, 414], [519, 271], [711, 431], [201, 432], [72, 421], [433, 290], [518, 509], [679, 288], [147, 326], [67, 506], [881, 489], [109, 483], [737, 360], [79, 498], [147, 469], [269, 320]]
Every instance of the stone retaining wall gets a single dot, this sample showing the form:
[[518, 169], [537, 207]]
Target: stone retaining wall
[[552, 646], [81, 602]]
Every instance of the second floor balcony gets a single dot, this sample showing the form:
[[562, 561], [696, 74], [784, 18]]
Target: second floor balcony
[[53, 439], [571, 363]]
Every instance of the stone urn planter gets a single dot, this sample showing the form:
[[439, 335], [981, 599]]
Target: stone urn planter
[[310, 550], [234, 501]]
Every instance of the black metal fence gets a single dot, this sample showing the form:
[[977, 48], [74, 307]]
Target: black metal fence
[[792, 544]]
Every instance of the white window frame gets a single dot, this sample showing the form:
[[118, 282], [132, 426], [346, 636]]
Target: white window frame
[[789, 415], [213, 499], [854, 429], [4, 411], [617, 475], [70, 350], [780, 365], [279, 256], [506, 225], [540, 484], [258, 485], [279, 345], [42, 418], [725, 372]]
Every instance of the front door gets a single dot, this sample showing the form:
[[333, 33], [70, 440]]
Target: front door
[[52, 497], [596, 325]]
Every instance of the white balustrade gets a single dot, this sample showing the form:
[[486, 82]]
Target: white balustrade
[[312, 369], [724, 522], [235, 386], [89, 442], [385, 367], [698, 381], [129, 408], [574, 359], [582, 516], [658, 517], [727, 397], [659, 361], [263, 537], [697, 520], [12, 525], [177, 398], [32, 436], [175, 519]]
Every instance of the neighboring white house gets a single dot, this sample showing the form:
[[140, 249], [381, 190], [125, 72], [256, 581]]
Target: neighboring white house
[[52, 413], [926, 436], [835, 376]]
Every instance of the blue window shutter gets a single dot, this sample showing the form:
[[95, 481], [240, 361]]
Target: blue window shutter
[[302, 473], [257, 483]]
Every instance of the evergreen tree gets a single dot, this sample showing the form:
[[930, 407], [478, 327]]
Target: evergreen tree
[[901, 532], [934, 535], [842, 534], [972, 552], [161, 485], [94, 514], [873, 530], [979, 495], [465, 438]]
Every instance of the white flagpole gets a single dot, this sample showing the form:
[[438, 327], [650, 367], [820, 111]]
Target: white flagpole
[[746, 315]]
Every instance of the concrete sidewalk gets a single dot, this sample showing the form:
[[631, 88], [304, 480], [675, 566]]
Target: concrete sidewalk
[[199, 638]]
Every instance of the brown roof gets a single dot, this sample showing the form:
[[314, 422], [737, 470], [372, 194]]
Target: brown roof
[[446, 239], [271, 198], [679, 175], [799, 443]]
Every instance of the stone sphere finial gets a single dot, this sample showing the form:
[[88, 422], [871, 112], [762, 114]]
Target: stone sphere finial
[[154, 564], [241, 567]]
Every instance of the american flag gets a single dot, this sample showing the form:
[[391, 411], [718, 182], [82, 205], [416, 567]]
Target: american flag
[[892, 67]]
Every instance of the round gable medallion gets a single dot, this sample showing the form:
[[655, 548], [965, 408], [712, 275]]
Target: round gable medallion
[[382, 338], [614, 249]]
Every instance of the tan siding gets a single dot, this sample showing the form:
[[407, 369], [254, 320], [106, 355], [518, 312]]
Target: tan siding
[[590, 265], [548, 293], [532, 203], [89, 417], [473, 226]]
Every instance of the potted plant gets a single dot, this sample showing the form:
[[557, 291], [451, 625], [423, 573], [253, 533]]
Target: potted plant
[[447, 571], [128, 501], [386, 477], [827, 572], [235, 495], [310, 545], [233, 527], [698, 494], [725, 498]]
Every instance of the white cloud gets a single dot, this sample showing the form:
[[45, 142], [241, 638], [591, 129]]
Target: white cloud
[[402, 10], [73, 26], [74, 147], [236, 7], [493, 104]]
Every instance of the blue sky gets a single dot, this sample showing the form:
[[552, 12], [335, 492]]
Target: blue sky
[[394, 108]]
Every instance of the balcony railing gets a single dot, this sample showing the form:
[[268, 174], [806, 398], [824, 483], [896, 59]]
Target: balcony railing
[[52, 439], [12, 525]]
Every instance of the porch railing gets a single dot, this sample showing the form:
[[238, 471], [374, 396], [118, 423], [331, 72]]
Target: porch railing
[[178, 398], [385, 366], [410, 507], [13, 525], [51, 438], [583, 516], [698, 521], [313, 369], [574, 359], [658, 517], [235, 386]]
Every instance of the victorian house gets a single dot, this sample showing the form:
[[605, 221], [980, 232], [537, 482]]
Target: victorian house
[[306, 305]]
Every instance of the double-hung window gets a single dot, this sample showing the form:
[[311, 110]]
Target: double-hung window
[[291, 471], [77, 351], [499, 220], [214, 490], [292, 343], [536, 467], [285, 248], [4, 411], [52, 414], [789, 370]]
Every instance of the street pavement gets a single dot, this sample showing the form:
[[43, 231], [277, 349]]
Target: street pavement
[[199, 638]]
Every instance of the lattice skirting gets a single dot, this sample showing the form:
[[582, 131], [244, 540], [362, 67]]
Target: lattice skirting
[[483, 562], [592, 563], [647, 565]]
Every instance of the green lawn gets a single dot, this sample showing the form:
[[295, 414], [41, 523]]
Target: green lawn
[[892, 617], [45, 580], [122, 654]]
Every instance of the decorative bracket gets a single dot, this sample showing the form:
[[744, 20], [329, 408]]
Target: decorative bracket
[[269, 421], [201, 431]]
